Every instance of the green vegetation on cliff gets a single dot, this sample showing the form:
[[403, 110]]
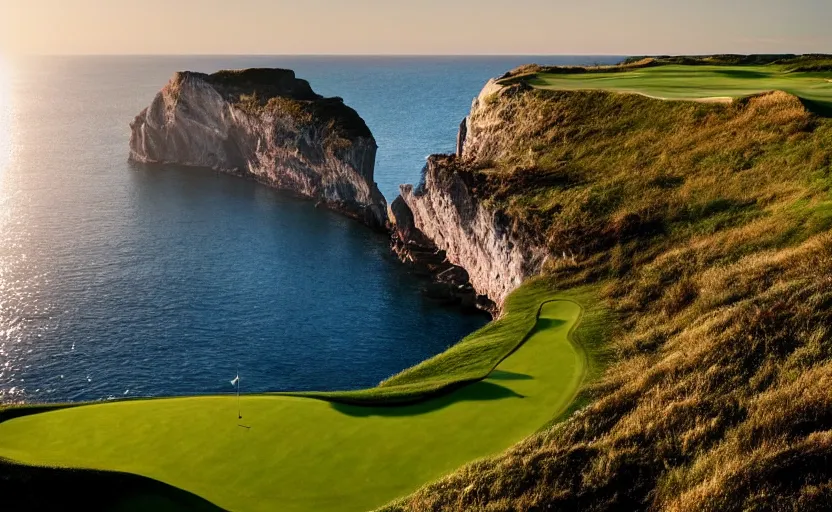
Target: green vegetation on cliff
[[595, 173], [259, 91], [708, 226]]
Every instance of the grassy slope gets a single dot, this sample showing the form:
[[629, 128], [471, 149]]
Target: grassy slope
[[709, 225], [470, 360], [303, 454]]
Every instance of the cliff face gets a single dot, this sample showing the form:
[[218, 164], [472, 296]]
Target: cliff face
[[445, 209], [268, 125], [450, 210]]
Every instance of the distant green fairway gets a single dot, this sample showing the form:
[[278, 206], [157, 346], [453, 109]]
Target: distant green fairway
[[296, 453], [678, 82]]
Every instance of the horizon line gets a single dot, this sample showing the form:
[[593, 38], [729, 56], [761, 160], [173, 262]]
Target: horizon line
[[323, 54], [402, 55]]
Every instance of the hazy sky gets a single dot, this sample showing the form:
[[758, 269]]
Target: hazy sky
[[415, 26]]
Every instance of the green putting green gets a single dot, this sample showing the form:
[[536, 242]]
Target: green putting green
[[698, 82], [294, 453]]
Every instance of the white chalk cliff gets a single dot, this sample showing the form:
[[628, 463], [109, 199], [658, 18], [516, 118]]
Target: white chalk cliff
[[446, 207], [268, 125]]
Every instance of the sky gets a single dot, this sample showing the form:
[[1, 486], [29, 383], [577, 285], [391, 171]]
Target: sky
[[427, 27]]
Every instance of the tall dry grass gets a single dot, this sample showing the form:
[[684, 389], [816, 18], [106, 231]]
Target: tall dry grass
[[709, 227]]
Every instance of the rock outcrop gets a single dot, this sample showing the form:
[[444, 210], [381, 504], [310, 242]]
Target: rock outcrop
[[444, 217], [268, 125], [450, 284], [486, 137]]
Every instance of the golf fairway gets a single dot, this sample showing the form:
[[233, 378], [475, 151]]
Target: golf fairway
[[698, 82], [299, 454]]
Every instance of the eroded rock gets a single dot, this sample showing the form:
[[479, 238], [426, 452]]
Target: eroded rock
[[268, 125]]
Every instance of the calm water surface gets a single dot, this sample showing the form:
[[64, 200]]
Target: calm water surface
[[120, 280]]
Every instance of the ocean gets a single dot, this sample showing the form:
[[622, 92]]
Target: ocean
[[125, 281]]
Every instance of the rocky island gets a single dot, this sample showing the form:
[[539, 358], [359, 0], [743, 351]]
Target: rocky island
[[268, 125]]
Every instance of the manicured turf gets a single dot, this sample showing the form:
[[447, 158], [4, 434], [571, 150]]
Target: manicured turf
[[699, 82], [292, 453]]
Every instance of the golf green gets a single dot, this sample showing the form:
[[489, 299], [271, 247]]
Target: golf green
[[698, 82], [292, 453]]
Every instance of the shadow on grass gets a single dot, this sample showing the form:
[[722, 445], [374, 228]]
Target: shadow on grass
[[28, 410], [746, 74], [503, 375], [33, 488], [544, 324], [820, 108], [477, 392]]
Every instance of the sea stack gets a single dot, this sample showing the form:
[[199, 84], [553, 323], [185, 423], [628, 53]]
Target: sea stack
[[268, 125]]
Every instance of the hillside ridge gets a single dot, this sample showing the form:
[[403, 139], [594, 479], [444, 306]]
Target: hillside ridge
[[709, 228]]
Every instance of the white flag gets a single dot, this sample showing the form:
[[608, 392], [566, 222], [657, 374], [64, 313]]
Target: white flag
[[235, 381]]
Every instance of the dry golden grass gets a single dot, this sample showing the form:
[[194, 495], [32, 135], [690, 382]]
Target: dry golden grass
[[709, 226]]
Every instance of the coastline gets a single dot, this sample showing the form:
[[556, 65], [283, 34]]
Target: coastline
[[466, 399]]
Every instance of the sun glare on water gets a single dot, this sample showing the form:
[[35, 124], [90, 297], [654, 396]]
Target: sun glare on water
[[5, 116]]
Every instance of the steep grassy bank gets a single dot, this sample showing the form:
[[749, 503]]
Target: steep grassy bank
[[476, 356], [709, 227]]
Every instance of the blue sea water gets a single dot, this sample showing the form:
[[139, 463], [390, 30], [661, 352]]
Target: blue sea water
[[118, 280]]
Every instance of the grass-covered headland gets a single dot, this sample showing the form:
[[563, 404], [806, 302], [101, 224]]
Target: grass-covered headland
[[708, 227], [301, 453]]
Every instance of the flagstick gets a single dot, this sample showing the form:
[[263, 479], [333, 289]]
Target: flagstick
[[239, 410]]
